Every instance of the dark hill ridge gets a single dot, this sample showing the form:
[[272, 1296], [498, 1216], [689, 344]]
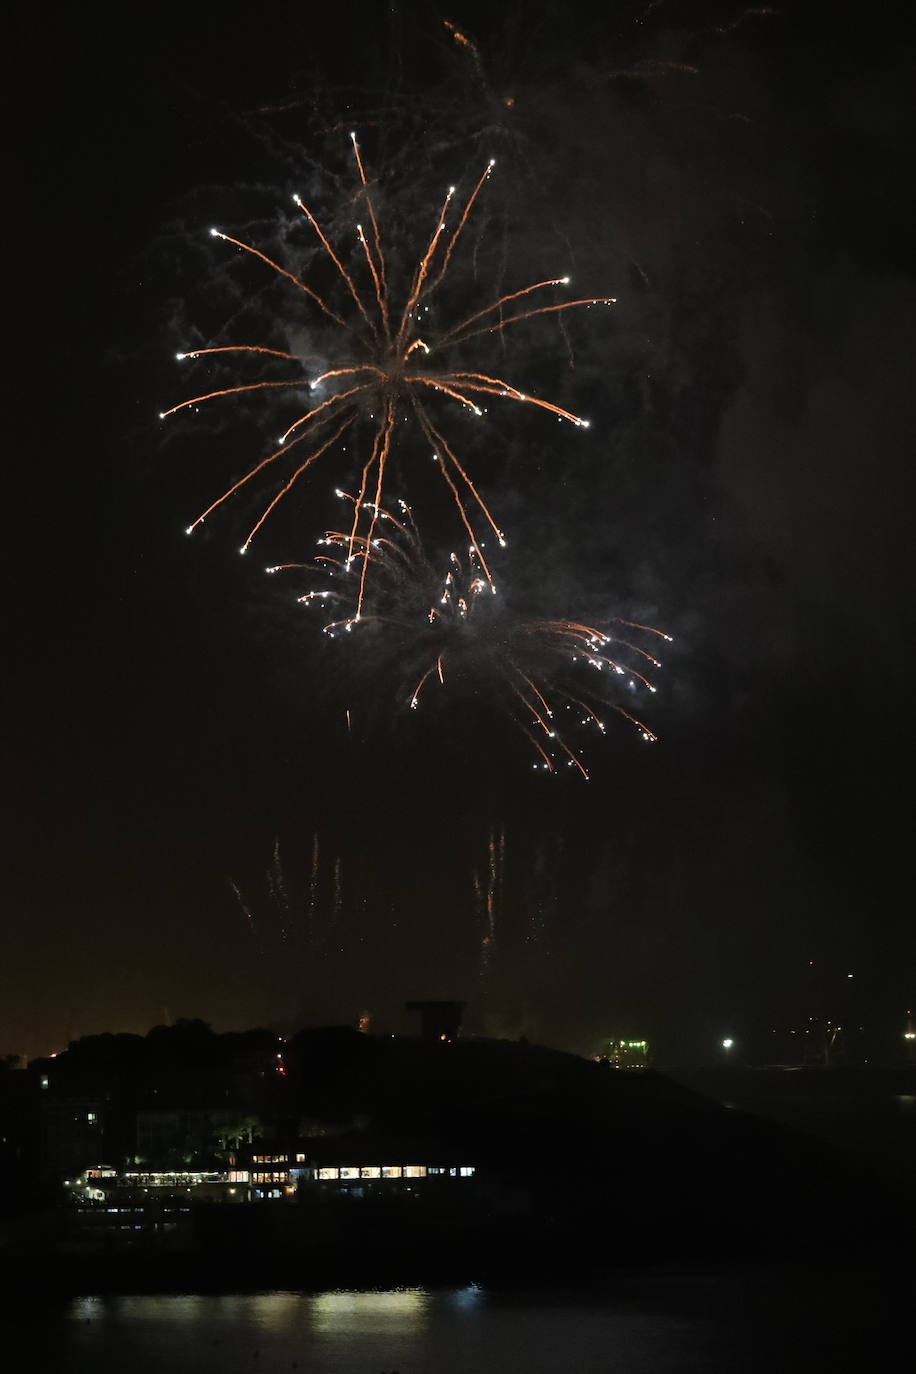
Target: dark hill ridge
[[578, 1165], [602, 1153]]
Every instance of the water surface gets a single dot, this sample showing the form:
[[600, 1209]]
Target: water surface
[[674, 1323]]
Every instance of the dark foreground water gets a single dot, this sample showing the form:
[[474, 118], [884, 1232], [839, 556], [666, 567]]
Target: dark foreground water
[[784, 1320]]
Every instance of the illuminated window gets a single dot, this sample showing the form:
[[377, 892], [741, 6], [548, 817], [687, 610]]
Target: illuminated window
[[466, 1172], [91, 1116], [391, 1171], [328, 1173], [348, 1172], [414, 1170], [370, 1171], [300, 1159]]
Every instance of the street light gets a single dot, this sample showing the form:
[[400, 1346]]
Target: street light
[[727, 1044]]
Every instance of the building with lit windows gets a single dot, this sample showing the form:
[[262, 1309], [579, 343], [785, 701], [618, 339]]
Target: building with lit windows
[[351, 1163], [367, 1163], [348, 1174], [274, 1171], [625, 1054]]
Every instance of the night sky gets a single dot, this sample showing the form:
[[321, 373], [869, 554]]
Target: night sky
[[177, 723]]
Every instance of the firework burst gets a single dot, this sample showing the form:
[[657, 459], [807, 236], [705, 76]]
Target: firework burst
[[553, 678], [385, 369]]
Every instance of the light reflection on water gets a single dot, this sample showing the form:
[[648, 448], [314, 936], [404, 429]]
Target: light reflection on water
[[404, 1308], [317, 1333], [685, 1323]]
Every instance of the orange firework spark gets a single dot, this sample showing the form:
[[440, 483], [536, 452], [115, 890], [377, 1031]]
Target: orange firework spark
[[385, 362], [551, 677]]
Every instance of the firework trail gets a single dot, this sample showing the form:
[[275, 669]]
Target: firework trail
[[497, 876], [478, 902], [462, 41], [496, 853], [542, 894], [385, 368], [489, 936], [313, 890], [551, 676], [249, 918], [337, 899], [487, 899], [291, 924], [276, 887]]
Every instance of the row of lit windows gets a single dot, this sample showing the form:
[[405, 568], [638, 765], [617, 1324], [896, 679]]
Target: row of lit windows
[[393, 1171], [127, 1211], [343, 1172], [183, 1177], [276, 1159]]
